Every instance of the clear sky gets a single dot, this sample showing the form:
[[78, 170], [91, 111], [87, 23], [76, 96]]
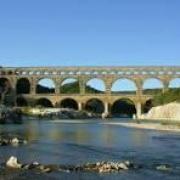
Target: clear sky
[[89, 32]]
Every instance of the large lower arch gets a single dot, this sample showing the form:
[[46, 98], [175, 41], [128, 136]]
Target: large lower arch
[[45, 86], [23, 86], [21, 102], [124, 86], [95, 106], [6, 96], [5, 85], [44, 102], [123, 108], [95, 85], [152, 86], [70, 86], [69, 103]]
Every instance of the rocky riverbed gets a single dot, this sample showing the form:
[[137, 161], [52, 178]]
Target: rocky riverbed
[[6, 140], [98, 167]]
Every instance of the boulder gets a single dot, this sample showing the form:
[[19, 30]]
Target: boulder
[[12, 162], [163, 167], [14, 141], [169, 111]]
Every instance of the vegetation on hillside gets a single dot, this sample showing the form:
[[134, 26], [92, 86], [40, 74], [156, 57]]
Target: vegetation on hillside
[[73, 87], [169, 96], [43, 89]]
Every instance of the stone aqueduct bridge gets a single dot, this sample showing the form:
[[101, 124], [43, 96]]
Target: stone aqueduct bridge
[[108, 74]]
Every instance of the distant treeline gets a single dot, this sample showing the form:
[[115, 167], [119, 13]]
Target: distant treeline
[[74, 88]]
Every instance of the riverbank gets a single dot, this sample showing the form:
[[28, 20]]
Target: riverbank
[[160, 126], [57, 113]]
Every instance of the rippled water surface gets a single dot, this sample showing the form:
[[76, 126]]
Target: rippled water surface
[[81, 141]]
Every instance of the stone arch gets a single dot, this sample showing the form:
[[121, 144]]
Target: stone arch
[[70, 86], [152, 86], [95, 105], [44, 102], [123, 107], [69, 103], [174, 83], [21, 102], [45, 86], [6, 89], [95, 85], [5, 85], [23, 86], [124, 86], [147, 105]]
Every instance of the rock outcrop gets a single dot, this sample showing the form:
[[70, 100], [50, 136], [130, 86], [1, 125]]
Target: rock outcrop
[[169, 111], [13, 141]]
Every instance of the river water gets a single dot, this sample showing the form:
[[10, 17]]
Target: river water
[[81, 141]]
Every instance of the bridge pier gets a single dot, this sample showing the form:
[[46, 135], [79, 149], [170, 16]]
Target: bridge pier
[[79, 106], [138, 110], [106, 110], [165, 86]]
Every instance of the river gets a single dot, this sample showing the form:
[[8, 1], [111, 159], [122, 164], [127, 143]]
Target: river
[[81, 141]]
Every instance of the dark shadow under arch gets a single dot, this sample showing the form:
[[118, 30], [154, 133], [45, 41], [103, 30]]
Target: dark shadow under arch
[[23, 86], [21, 102], [95, 106], [123, 108], [44, 102], [5, 85], [147, 105], [69, 103]]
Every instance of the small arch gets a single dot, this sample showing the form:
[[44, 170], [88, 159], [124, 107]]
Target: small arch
[[23, 86], [124, 86], [174, 83], [95, 106], [44, 102], [147, 105], [152, 86], [70, 86], [21, 102], [69, 103], [123, 108], [95, 85], [45, 86]]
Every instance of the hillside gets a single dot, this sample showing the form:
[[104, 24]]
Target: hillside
[[164, 98], [74, 88]]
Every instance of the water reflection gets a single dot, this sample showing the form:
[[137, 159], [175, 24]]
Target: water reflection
[[75, 142]]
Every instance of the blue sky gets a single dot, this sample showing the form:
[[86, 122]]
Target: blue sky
[[89, 32]]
